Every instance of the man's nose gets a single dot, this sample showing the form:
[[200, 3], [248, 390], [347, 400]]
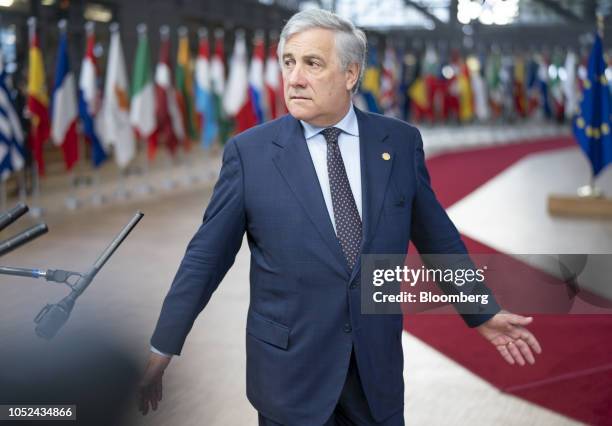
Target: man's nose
[[296, 76]]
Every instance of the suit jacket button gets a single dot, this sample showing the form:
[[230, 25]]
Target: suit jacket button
[[347, 328]]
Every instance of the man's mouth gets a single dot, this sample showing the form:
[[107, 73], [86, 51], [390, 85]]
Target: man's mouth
[[299, 97]]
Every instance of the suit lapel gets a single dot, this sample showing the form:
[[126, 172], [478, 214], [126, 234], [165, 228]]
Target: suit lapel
[[295, 165], [377, 158]]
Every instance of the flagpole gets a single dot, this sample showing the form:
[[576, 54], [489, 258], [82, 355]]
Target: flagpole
[[36, 211], [22, 185]]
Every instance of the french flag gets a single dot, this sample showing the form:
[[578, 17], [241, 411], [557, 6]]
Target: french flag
[[89, 100], [64, 105]]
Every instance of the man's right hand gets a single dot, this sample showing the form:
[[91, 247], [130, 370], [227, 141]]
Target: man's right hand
[[151, 383]]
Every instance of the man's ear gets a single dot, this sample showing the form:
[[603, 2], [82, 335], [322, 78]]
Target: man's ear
[[352, 75]]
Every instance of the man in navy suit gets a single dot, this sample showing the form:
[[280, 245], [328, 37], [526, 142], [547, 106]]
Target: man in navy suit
[[314, 190]]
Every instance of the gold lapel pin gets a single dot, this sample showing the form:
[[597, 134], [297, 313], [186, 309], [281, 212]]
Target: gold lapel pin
[[386, 156]]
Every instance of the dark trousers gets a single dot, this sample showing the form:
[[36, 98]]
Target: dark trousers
[[352, 408]]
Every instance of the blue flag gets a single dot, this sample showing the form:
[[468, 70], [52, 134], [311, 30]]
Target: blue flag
[[592, 122], [12, 152]]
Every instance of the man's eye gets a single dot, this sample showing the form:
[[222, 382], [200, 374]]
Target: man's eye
[[288, 62], [314, 64]]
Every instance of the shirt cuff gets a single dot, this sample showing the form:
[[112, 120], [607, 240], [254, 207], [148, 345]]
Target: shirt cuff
[[158, 352]]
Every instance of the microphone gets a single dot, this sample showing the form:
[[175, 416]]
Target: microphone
[[12, 215], [22, 238], [52, 317]]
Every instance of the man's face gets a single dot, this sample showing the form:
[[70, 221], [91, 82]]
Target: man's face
[[316, 88]]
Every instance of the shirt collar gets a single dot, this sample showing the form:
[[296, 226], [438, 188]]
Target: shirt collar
[[348, 124]]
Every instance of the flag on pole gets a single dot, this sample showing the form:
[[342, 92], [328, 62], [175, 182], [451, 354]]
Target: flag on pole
[[532, 84], [12, 151], [184, 86], [555, 85], [388, 84], [37, 100], [273, 84], [118, 132], [217, 74], [408, 74], [204, 102], [435, 84], [256, 80], [593, 123], [543, 86], [236, 100], [90, 98], [419, 96], [170, 130], [142, 105], [466, 101], [479, 88], [519, 87], [370, 87], [449, 83], [64, 110], [494, 83]]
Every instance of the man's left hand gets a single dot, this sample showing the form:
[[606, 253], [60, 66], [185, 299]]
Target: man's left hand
[[507, 332]]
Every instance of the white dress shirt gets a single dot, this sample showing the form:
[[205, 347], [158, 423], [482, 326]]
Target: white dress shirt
[[348, 142]]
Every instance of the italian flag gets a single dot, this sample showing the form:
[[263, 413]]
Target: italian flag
[[142, 107]]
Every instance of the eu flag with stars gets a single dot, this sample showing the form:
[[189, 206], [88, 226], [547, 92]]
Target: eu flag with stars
[[592, 123]]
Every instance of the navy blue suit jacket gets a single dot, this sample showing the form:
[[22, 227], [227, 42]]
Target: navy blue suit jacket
[[304, 314]]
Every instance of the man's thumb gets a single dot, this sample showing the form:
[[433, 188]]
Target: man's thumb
[[520, 320]]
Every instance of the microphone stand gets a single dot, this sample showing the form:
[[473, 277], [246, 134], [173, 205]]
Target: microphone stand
[[52, 317]]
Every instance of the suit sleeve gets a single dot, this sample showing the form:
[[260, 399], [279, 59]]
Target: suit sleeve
[[209, 255], [436, 237]]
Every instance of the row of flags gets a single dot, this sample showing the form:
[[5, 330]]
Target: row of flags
[[175, 108], [495, 86], [163, 107], [428, 87]]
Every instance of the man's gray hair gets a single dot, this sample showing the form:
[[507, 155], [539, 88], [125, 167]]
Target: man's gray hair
[[351, 42]]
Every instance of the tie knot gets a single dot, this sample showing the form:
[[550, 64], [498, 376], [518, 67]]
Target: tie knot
[[331, 134]]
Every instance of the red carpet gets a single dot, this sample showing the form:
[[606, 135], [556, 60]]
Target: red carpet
[[457, 174], [573, 376]]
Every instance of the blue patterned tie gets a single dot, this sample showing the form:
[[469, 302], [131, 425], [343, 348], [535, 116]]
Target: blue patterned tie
[[346, 215]]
